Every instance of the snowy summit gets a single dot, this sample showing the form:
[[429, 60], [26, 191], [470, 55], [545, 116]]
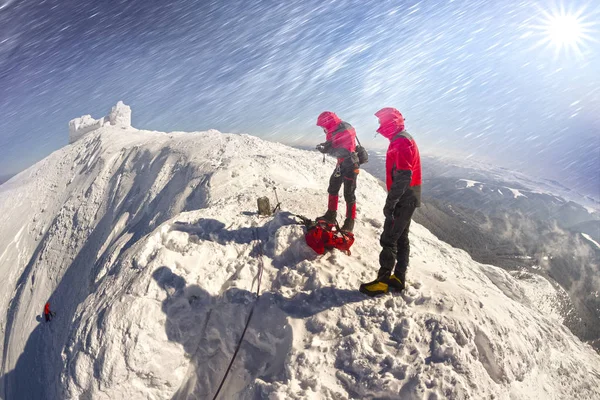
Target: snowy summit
[[120, 115], [148, 247]]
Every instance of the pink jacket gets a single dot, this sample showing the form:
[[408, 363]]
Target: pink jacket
[[340, 134]]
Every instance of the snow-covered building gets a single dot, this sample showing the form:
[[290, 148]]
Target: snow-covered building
[[119, 116]]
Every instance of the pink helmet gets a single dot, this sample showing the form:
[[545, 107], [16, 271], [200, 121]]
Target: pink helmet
[[391, 121], [328, 120]]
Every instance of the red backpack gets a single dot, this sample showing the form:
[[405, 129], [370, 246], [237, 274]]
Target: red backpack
[[321, 236]]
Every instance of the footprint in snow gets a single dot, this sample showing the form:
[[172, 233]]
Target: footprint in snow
[[374, 223]]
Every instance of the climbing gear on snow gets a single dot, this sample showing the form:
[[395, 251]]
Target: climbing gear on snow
[[321, 236], [278, 206], [264, 207]]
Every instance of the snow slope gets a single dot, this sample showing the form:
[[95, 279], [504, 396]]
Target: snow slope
[[147, 245]]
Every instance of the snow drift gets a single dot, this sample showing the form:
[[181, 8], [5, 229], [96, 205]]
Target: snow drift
[[147, 245]]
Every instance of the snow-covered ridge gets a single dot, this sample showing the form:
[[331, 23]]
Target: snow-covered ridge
[[515, 193], [147, 245]]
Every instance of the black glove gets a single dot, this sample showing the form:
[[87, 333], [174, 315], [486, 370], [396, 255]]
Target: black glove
[[324, 147]]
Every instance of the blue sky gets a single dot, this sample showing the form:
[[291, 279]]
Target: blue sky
[[473, 78]]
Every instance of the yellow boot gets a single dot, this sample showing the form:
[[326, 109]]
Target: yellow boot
[[395, 284], [382, 286], [374, 288]]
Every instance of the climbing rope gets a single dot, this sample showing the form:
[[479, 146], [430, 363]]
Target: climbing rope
[[259, 278]]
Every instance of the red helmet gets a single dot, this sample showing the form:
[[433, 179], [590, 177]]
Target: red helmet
[[391, 121], [328, 120]]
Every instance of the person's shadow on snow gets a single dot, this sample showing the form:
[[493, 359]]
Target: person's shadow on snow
[[209, 328], [208, 229], [215, 231]]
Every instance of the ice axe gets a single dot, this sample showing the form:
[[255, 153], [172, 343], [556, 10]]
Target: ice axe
[[278, 206]]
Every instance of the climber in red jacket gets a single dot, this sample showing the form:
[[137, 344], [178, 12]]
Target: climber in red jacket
[[340, 142], [48, 315], [403, 181]]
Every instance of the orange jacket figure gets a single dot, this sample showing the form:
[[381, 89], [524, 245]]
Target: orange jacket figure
[[47, 313]]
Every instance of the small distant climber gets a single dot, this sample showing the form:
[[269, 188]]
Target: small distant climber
[[403, 179], [48, 315], [340, 142]]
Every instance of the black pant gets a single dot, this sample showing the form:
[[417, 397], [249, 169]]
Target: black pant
[[394, 242], [347, 176]]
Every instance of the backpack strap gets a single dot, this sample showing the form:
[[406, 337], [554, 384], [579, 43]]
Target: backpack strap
[[342, 127], [403, 134]]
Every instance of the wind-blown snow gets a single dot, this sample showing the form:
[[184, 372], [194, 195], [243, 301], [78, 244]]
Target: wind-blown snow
[[147, 245]]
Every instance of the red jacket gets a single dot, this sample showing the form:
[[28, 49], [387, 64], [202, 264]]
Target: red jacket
[[47, 308], [403, 155], [402, 162], [341, 135]]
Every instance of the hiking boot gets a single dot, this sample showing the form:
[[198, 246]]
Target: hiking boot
[[395, 284], [375, 288], [329, 217], [382, 285], [348, 225]]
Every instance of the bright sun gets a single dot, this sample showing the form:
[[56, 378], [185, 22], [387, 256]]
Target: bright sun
[[566, 31]]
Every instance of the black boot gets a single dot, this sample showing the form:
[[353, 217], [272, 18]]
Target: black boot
[[348, 225], [330, 217]]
